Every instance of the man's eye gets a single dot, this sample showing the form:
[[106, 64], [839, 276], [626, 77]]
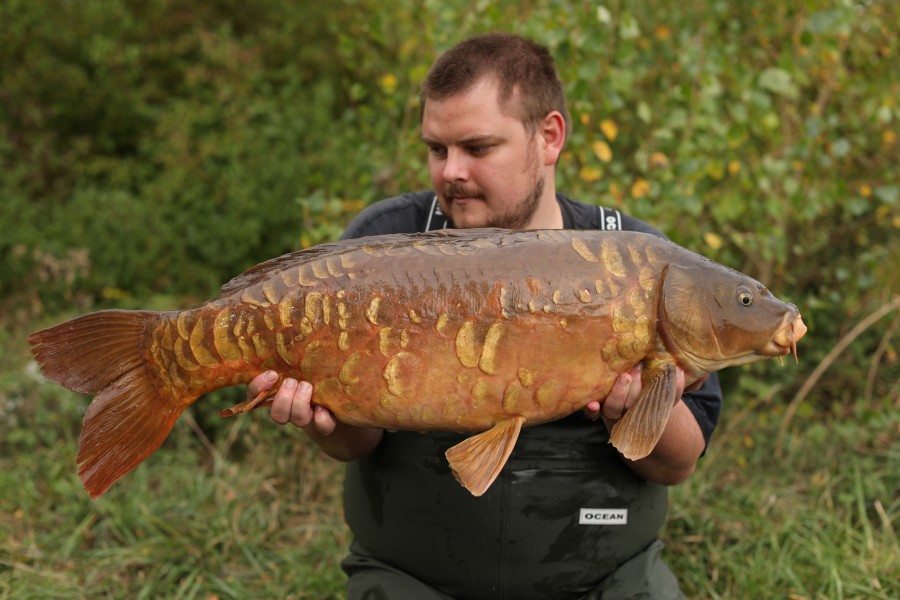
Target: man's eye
[[437, 151], [476, 150]]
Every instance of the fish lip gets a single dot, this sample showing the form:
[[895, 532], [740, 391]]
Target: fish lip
[[791, 330]]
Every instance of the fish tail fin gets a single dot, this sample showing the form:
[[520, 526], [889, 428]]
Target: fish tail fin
[[106, 353]]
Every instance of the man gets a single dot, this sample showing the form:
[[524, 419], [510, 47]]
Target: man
[[568, 517]]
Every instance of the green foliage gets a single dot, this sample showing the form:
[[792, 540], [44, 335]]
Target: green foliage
[[164, 147], [151, 151]]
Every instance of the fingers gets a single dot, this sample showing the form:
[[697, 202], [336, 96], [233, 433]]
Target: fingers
[[261, 383], [592, 410], [293, 404], [624, 393], [324, 420], [615, 403]]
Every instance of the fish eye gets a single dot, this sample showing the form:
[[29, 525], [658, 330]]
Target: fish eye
[[745, 298]]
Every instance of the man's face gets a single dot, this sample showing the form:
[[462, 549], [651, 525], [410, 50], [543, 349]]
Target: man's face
[[485, 167]]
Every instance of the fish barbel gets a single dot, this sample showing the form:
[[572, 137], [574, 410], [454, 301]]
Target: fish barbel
[[482, 331]]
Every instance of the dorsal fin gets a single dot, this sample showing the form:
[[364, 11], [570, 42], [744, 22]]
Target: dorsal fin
[[258, 273]]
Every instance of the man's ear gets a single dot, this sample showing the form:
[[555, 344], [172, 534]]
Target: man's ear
[[553, 132]]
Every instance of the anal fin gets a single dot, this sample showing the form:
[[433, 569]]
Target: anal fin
[[476, 461], [636, 434]]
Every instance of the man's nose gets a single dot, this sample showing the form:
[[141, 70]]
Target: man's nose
[[456, 166]]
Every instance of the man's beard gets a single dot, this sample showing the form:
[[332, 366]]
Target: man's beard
[[519, 215]]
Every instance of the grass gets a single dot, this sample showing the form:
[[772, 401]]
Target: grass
[[245, 509], [817, 520]]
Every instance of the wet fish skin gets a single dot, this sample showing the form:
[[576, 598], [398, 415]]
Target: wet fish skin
[[473, 330]]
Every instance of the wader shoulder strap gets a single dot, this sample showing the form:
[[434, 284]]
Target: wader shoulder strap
[[436, 219], [610, 219]]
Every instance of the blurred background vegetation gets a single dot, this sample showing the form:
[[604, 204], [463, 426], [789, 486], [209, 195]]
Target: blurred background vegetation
[[149, 151]]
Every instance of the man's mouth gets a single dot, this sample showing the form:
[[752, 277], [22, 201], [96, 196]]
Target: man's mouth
[[463, 199], [455, 194]]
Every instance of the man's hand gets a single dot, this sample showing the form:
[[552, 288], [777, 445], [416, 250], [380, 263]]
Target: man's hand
[[293, 403], [675, 456], [624, 393]]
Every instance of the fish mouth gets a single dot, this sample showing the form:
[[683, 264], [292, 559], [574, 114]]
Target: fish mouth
[[785, 339]]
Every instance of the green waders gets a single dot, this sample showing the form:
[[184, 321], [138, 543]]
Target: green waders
[[566, 519]]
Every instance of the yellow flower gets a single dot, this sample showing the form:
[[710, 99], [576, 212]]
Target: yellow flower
[[734, 167]]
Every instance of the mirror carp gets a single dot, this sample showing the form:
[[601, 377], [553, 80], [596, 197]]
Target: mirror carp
[[482, 331]]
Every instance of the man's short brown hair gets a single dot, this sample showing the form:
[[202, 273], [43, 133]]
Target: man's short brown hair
[[520, 66]]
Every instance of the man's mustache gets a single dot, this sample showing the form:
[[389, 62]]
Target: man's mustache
[[452, 191]]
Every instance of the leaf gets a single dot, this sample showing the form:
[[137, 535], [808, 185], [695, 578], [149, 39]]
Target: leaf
[[643, 111], [889, 194], [609, 129], [602, 150], [640, 188], [841, 148], [713, 240], [388, 83], [830, 21], [658, 160], [590, 174], [778, 81], [603, 15], [629, 28]]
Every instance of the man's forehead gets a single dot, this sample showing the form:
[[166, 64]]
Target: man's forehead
[[489, 91], [476, 106]]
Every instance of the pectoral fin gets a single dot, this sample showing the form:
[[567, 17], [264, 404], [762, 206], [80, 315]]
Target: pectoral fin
[[636, 434], [476, 461]]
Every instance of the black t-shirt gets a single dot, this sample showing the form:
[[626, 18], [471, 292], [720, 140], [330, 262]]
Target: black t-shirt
[[564, 512]]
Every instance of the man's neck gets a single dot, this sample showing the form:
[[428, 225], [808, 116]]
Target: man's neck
[[548, 214]]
